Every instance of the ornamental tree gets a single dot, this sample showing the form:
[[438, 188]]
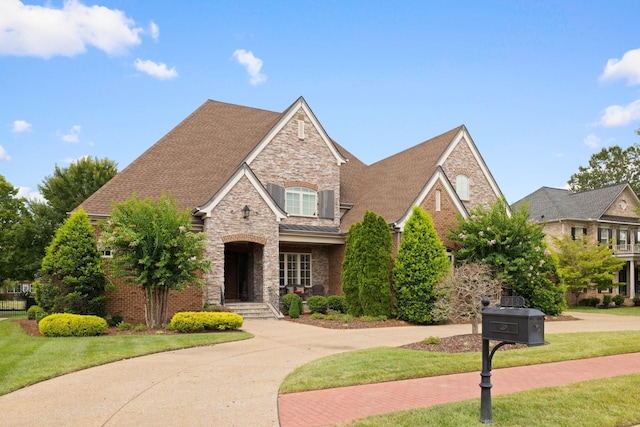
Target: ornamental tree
[[584, 263], [464, 289], [72, 279], [422, 261], [153, 247], [515, 251]]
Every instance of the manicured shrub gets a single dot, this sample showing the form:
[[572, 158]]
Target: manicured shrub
[[115, 320], [294, 311], [585, 302], [198, 321], [618, 300], [318, 316], [33, 311], [337, 303], [606, 300], [291, 299], [317, 304], [594, 301], [125, 326], [72, 325]]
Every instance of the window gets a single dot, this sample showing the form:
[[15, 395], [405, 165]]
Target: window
[[295, 269], [462, 187], [578, 232], [438, 201], [300, 201], [623, 238], [604, 235]]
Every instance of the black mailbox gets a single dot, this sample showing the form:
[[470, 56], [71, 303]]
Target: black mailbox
[[513, 324]]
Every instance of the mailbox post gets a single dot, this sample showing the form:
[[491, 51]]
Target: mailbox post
[[509, 323]]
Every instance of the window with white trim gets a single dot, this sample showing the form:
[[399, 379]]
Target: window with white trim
[[604, 235], [462, 187], [301, 201], [295, 269]]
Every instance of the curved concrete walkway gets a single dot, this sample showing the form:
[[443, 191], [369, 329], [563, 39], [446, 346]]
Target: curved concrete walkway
[[233, 384]]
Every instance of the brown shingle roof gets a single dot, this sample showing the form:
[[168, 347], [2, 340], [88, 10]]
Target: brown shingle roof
[[390, 186], [192, 161]]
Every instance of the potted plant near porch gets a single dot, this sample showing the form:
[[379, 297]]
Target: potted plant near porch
[[636, 300]]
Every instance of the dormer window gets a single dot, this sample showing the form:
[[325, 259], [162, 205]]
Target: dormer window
[[301, 201], [462, 187]]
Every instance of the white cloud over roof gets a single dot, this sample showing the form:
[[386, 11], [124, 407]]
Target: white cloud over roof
[[626, 68], [252, 64], [157, 70], [45, 31]]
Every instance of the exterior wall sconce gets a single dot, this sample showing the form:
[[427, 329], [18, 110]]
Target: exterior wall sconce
[[246, 211]]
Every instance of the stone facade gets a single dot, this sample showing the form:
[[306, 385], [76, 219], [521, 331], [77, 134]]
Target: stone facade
[[463, 162], [226, 225]]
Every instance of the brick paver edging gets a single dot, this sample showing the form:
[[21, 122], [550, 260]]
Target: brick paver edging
[[332, 406]]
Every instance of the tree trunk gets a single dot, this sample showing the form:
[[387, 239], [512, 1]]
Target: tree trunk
[[474, 325], [156, 307]]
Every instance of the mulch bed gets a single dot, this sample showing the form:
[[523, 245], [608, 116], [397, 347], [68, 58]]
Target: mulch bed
[[30, 327], [454, 344]]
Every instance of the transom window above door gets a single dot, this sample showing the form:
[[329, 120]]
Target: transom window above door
[[301, 201]]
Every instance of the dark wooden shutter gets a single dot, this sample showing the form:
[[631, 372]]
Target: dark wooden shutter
[[599, 234], [573, 233], [278, 193], [325, 204]]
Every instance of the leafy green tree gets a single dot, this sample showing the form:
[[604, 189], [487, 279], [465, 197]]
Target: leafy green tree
[[72, 278], [153, 247], [584, 263], [16, 236], [612, 165], [375, 257], [352, 270], [515, 251], [422, 261], [70, 186]]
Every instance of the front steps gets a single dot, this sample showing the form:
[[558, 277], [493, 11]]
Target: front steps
[[253, 310]]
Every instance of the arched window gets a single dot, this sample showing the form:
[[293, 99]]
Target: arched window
[[301, 201], [462, 187]]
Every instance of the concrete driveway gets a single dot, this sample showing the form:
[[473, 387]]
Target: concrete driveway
[[232, 384]]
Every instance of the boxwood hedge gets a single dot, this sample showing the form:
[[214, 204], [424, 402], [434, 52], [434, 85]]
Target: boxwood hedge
[[72, 325], [199, 321]]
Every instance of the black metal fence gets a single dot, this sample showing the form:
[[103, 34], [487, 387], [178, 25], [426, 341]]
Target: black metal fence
[[13, 307]]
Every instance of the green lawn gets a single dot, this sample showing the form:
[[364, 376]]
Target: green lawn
[[391, 363], [596, 403], [27, 360], [616, 311]]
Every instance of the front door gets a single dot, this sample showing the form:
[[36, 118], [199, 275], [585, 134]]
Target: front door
[[235, 276]]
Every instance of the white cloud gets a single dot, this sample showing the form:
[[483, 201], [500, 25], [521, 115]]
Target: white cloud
[[20, 126], [252, 64], [157, 70], [592, 141], [45, 31], [4, 157], [154, 30], [30, 195], [73, 136], [626, 68], [619, 115]]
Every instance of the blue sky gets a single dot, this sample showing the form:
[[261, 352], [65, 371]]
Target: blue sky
[[540, 85]]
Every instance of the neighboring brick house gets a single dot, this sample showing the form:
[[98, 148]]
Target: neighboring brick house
[[608, 214], [276, 196]]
